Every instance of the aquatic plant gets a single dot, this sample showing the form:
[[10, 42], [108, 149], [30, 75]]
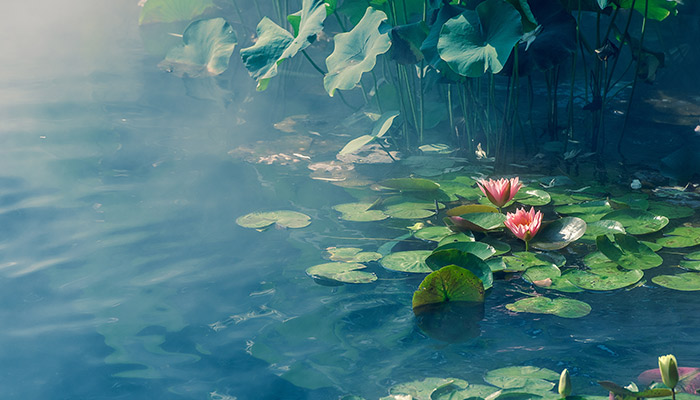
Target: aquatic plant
[[524, 224], [500, 192], [669, 371], [564, 387]]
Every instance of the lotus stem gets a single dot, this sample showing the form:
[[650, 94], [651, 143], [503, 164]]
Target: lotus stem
[[313, 64], [420, 101], [385, 149], [376, 92], [340, 22], [449, 108]]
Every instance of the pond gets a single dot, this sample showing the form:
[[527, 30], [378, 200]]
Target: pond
[[135, 263]]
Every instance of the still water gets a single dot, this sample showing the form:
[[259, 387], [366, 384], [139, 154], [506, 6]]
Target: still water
[[124, 275]]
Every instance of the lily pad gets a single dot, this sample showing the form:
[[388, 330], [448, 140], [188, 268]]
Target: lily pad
[[450, 283], [653, 9], [341, 272], [558, 234], [562, 284], [457, 237], [352, 254], [359, 212], [478, 41], [671, 211], [423, 390], [628, 252], [499, 246], [356, 52], [682, 236], [410, 210], [602, 227], [589, 211], [433, 233], [531, 378], [532, 197], [457, 190], [687, 281], [521, 261], [206, 48], [407, 261], [598, 260], [637, 201], [601, 280], [637, 222], [410, 184], [443, 258], [283, 219], [561, 307], [541, 273], [480, 221], [479, 249]]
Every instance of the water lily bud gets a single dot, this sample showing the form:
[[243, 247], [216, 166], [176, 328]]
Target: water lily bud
[[564, 384], [669, 370]]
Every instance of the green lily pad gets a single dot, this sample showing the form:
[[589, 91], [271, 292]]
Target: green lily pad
[[601, 280], [479, 249], [473, 391], [682, 236], [356, 52], [478, 41], [521, 261], [541, 273], [559, 198], [531, 378], [692, 261], [410, 184], [165, 11], [359, 212], [456, 237], [496, 264], [671, 211], [561, 307], [602, 227], [687, 281], [532, 197], [558, 234], [562, 284], [206, 48], [407, 261], [352, 254], [341, 272], [410, 210], [433, 233], [457, 190], [653, 246], [423, 390], [480, 221], [637, 222], [450, 283], [283, 219], [443, 258], [499, 246], [589, 211], [637, 201], [628, 252], [598, 260]]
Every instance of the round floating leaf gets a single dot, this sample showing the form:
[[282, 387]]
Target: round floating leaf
[[478, 41], [637, 201], [410, 210], [541, 272], [433, 233], [424, 389], [473, 391], [341, 272], [443, 258], [450, 283], [589, 211], [570, 198], [352, 254], [407, 261], [671, 211], [499, 246], [480, 221], [531, 378], [558, 234], [598, 260], [283, 218], [628, 252], [520, 261], [173, 10], [479, 249], [532, 197], [603, 227], [359, 212], [410, 184], [206, 48], [637, 222], [609, 279], [356, 52], [682, 236], [457, 190], [561, 307], [456, 237], [653, 246], [687, 281], [563, 284]]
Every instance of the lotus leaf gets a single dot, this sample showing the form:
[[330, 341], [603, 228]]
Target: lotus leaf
[[602, 227], [671, 211], [558, 234], [406, 41], [496, 264], [637, 222], [471, 208], [604, 279], [356, 52], [559, 199], [628, 252], [541, 273], [520, 261], [264, 56], [528, 377], [407, 261], [561, 307], [423, 390], [653, 246], [479, 249], [450, 283], [380, 128], [443, 258], [295, 19], [283, 219], [457, 190], [433, 233], [352, 254], [429, 46], [532, 197], [657, 9], [682, 236], [359, 212], [556, 40], [589, 211], [475, 42], [625, 392], [206, 49], [692, 261], [342, 272], [687, 281], [173, 10]]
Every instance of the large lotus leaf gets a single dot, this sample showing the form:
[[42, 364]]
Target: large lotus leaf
[[671, 211], [558, 234], [283, 218], [450, 283], [478, 41], [410, 184], [609, 279], [657, 9], [173, 10], [407, 261], [638, 222], [687, 281], [602, 227], [433, 233], [359, 212], [262, 58], [410, 210], [443, 258], [423, 390], [589, 211], [561, 307], [682, 236], [406, 41], [295, 19], [341, 272], [520, 261], [206, 48], [562, 284], [532, 197], [528, 377], [479, 249], [356, 52], [628, 252], [557, 39]]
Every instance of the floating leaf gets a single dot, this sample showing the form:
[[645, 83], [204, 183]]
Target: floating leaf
[[563, 284], [589, 211], [380, 128], [173, 10], [532, 197], [637, 222], [433, 233], [356, 52], [499, 246], [541, 273], [341, 272], [478, 41], [558, 234], [637, 201], [603, 227], [687, 281], [608, 279], [410, 184], [422, 390], [479, 249], [450, 283], [682, 236], [206, 48], [443, 258], [283, 218], [671, 211], [359, 212], [352, 254], [410, 210], [531, 378], [520, 261], [628, 252], [480, 222], [625, 392], [407, 261], [456, 237], [561, 307]]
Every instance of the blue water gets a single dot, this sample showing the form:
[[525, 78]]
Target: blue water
[[123, 274]]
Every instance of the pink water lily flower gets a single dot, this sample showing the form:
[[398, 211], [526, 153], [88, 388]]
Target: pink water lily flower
[[524, 224], [500, 192]]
